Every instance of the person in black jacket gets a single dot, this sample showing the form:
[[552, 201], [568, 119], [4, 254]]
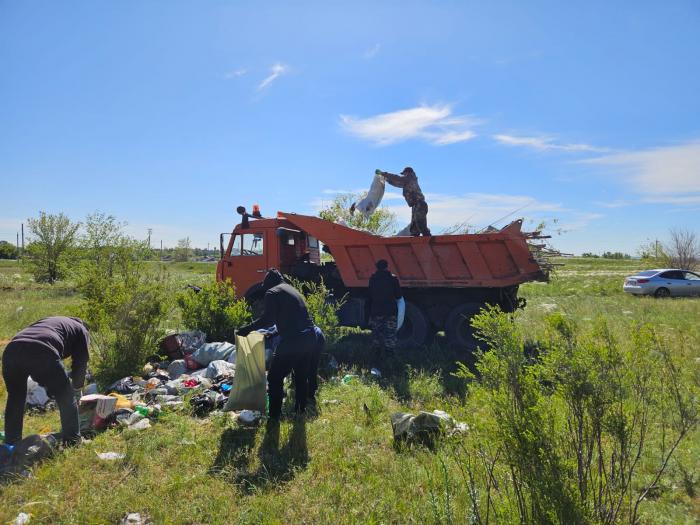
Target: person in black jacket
[[384, 290], [285, 308], [38, 351]]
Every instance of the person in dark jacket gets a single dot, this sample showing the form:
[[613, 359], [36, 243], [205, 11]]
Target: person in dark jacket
[[38, 351], [408, 182], [285, 308], [384, 290]]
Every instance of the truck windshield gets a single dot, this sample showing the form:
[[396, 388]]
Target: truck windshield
[[248, 244]]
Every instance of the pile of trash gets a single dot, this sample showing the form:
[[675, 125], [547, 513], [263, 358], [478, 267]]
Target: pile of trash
[[207, 371], [202, 373]]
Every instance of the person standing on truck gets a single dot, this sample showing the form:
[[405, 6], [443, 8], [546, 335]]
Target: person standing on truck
[[38, 351], [384, 291], [285, 308], [408, 181]]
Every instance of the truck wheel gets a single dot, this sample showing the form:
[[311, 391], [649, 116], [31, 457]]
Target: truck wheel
[[414, 329], [457, 328]]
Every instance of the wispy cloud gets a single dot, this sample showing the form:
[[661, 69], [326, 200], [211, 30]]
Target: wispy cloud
[[578, 221], [681, 200], [433, 124], [612, 204], [544, 143], [276, 71], [665, 170], [236, 73], [372, 51]]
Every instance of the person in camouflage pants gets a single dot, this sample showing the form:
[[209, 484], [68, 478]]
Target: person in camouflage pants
[[408, 181], [384, 290], [384, 333]]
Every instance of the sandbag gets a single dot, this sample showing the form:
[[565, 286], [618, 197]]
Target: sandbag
[[248, 390], [374, 196], [209, 352]]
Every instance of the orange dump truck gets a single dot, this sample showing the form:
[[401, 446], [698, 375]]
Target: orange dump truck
[[445, 278]]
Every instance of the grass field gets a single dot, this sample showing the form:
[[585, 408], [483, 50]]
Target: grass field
[[339, 466]]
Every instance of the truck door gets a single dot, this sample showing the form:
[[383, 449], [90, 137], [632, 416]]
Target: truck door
[[248, 260]]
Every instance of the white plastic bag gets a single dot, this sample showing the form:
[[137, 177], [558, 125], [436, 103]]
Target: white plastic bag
[[36, 394], [401, 312]]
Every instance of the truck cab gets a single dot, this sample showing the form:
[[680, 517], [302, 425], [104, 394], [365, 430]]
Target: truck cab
[[254, 246]]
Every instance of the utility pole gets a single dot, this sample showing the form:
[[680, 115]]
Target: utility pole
[[150, 230], [22, 238], [161, 249], [656, 249], [18, 255]]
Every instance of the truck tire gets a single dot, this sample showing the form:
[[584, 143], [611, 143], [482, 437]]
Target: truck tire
[[415, 327], [457, 328]]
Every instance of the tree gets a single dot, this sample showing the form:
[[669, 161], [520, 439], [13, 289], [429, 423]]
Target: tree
[[381, 222], [7, 250], [52, 238], [182, 252], [125, 299], [683, 249]]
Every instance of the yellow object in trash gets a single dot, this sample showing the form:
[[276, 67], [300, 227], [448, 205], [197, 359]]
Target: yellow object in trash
[[122, 402]]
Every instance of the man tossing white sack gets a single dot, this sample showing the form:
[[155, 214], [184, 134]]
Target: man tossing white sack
[[373, 198]]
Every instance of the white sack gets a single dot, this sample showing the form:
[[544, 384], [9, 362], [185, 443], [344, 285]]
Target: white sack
[[374, 196]]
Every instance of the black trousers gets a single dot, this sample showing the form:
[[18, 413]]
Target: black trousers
[[292, 354], [314, 359], [21, 360]]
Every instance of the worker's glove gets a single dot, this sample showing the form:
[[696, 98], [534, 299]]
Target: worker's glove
[[378, 172]]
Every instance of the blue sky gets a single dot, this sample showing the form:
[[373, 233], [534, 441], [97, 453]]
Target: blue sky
[[170, 114]]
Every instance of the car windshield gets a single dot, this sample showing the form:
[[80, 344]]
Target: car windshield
[[647, 273]]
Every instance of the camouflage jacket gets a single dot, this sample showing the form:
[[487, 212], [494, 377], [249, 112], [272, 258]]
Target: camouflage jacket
[[409, 184]]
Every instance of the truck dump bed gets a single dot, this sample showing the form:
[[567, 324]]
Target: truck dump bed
[[496, 259]]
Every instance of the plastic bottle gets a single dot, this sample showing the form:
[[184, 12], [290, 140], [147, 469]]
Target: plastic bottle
[[348, 378]]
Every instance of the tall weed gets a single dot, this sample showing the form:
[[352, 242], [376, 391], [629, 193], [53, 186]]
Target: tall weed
[[563, 435]]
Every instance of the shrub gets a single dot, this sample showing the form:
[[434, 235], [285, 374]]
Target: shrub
[[129, 320], [124, 301], [322, 305], [214, 310], [566, 436]]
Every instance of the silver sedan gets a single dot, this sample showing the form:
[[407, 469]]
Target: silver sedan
[[663, 283]]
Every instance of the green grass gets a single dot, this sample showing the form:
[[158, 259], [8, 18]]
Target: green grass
[[339, 466]]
